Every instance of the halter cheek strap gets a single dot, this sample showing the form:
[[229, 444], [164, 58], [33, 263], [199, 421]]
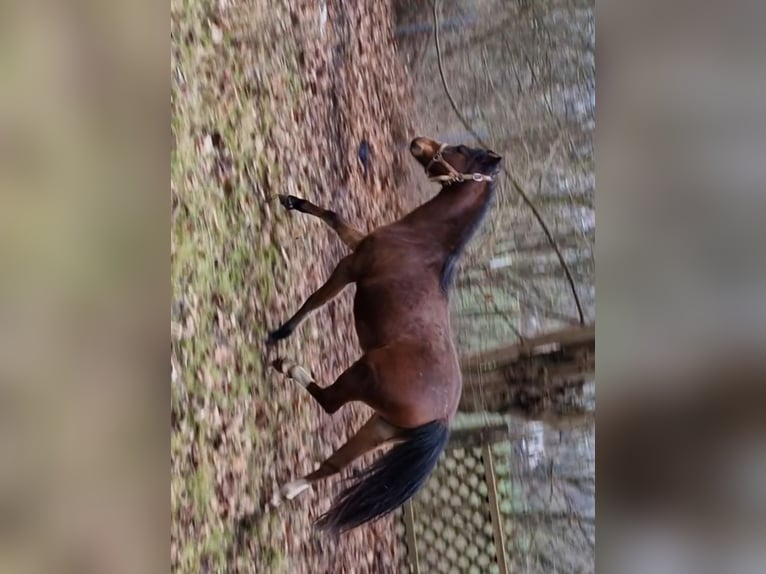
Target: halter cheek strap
[[454, 176]]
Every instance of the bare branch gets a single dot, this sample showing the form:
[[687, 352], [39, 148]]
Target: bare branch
[[516, 185]]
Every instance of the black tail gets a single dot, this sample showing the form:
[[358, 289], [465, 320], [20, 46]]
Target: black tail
[[390, 482]]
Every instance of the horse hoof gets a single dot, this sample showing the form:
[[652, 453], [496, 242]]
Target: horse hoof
[[272, 339], [294, 488], [281, 333], [289, 202], [278, 364]]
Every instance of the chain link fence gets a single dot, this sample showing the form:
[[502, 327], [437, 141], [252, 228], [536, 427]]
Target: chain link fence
[[519, 498]]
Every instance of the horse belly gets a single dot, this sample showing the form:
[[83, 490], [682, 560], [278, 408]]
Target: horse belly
[[372, 320], [416, 384], [386, 311]]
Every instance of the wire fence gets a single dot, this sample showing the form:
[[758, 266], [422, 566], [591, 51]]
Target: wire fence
[[518, 500]]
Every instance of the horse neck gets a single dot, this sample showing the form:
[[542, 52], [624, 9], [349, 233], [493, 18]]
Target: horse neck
[[452, 216]]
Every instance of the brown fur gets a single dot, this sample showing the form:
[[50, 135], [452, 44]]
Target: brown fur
[[409, 372]]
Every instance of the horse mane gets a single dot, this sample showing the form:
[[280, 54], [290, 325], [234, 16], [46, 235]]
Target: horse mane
[[449, 268]]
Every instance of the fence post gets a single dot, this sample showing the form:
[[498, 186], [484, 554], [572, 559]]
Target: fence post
[[412, 541], [494, 507]]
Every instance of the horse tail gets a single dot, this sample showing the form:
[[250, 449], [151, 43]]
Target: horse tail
[[390, 482]]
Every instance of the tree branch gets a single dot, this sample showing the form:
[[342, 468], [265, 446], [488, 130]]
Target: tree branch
[[516, 185]]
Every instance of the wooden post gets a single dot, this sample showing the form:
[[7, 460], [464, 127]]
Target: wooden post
[[412, 541], [494, 508]]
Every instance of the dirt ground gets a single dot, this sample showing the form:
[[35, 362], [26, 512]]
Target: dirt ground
[[268, 98]]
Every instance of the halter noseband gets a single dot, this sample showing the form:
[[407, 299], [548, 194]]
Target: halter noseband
[[454, 175]]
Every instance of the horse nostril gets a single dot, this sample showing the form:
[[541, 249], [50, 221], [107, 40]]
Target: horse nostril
[[415, 147]]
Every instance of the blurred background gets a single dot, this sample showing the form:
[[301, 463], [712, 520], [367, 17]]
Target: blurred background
[[681, 279], [320, 99]]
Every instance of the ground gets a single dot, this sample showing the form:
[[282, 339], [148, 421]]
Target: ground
[[268, 98]]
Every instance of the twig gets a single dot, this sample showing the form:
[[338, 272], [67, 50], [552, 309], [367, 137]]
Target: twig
[[503, 316], [554, 244], [516, 185], [452, 102]]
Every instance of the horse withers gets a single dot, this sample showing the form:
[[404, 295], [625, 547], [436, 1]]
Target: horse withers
[[409, 372]]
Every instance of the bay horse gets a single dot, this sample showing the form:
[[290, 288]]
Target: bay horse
[[409, 372]]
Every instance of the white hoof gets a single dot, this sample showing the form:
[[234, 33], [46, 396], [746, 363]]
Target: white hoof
[[294, 488], [293, 371]]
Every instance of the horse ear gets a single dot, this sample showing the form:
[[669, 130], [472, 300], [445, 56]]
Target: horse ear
[[492, 160]]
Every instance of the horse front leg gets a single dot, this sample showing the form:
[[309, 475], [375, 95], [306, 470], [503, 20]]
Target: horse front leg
[[350, 236], [341, 276]]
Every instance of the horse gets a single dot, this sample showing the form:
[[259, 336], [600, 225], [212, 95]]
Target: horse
[[409, 372]]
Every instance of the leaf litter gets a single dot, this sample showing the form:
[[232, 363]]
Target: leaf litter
[[270, 98]]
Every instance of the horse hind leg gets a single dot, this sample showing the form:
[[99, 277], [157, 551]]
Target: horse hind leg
[[340, 277], [374, 433], [350, 236], [293, 371], [351, 385]]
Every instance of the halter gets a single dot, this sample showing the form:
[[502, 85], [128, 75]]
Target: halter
[[454, 175]]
